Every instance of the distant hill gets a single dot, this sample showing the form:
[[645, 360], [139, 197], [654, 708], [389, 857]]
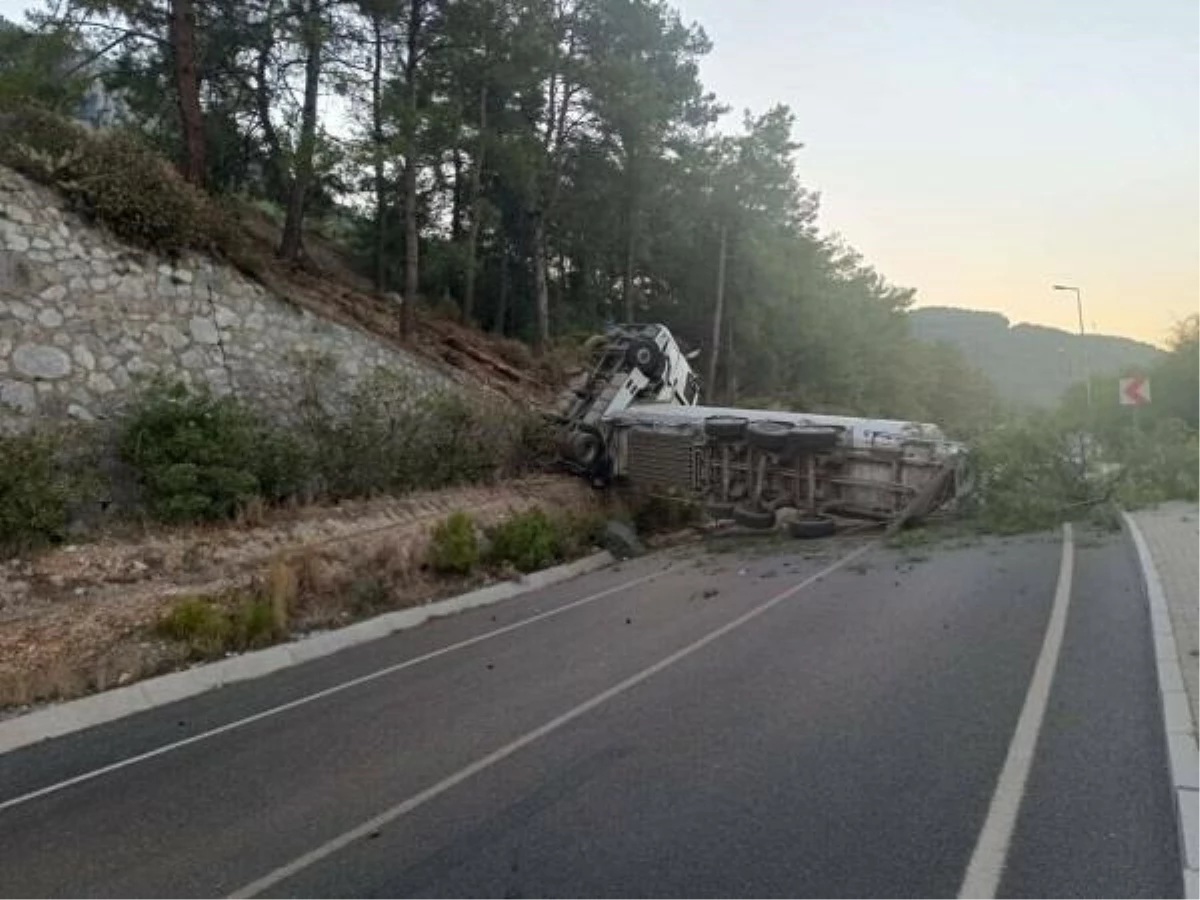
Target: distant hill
[[1030, 365]]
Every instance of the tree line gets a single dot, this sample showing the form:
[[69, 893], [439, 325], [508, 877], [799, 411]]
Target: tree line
[[545, 166]]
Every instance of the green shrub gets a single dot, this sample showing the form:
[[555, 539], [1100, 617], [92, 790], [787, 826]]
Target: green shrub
[[254, 623], [201, 457], [368, 594], [388, 435], [200, 624], [113, 177], [1158, 464], [1028, 476], [209, 628], [582, 531], [529, 540], [34, 491], [454, 545]]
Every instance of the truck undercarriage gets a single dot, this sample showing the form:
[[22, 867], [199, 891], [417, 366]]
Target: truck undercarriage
[[632, 417]]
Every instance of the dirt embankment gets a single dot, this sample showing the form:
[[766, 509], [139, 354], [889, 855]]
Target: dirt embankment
[[80, 618]]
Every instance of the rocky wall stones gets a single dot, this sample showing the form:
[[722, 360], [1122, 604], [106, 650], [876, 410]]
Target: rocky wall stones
[[83, 317]]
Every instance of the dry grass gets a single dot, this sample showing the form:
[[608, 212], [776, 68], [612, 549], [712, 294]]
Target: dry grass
[[312, 572]]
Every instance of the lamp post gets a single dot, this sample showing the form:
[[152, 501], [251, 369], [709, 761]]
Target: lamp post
[[1087, 375]]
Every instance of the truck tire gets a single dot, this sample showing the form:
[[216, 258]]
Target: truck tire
[[773, 437], [813, 438], [645, 355], [725, 428], [754, 518], [811, 527], [586, 447]]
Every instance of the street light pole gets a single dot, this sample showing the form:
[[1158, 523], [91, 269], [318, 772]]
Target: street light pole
[[1087, 374]]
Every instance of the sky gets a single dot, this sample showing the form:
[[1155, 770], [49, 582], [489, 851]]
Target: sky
[[982, 150]]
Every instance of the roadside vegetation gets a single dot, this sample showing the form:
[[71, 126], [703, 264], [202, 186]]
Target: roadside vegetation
[[303, 591], [1081, 462], [189, 456]]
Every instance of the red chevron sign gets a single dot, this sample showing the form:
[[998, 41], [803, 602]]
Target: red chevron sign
[[1134, 391]]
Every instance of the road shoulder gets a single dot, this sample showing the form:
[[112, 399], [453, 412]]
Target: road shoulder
[[65, 718], [1178, 712]]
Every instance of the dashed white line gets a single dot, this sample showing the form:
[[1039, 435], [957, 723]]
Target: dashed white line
[[322, 694], [348, 837]]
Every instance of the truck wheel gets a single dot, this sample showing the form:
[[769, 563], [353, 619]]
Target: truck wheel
[[811, 527], [725, 428], [645, 355], [586, 447], [770, 436], [813, 438], [754, 518]]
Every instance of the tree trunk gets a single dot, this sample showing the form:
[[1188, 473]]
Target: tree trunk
[[457, 198], [631, 223], [718, 312], [412, 259], [476, 208], [499, 323], [541, 337], [627, 278], [276, 174], [276, 177], [293, 225], [377, 136], [730, 394], [182, 36]]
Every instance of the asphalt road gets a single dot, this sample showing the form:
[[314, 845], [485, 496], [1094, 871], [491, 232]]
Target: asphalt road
[[732, 726]]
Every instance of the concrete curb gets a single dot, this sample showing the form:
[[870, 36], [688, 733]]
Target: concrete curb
[[87, 712], [1176, 710]]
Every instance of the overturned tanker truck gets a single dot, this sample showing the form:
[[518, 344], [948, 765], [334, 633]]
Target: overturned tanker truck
[[632, 416]]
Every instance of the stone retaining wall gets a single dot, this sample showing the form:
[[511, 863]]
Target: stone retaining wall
[[82, 316]]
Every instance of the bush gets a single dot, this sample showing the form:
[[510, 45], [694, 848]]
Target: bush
[[390, 436], [239, 621], [1161, 464], [114, 178], [454, 545], [200, 624], [201, 457], [1027, 476], [34, 491], [529, 540]]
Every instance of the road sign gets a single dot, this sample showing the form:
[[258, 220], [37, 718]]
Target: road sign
[[1134, 391]]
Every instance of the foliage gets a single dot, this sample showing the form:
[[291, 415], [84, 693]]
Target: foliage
[[454, 545], [1029, 476], [114, 178], [201, 457], [39, 68], [35, 489], [211, 627], [389, 436], [527, 540], [1159, 464], [556, 165]]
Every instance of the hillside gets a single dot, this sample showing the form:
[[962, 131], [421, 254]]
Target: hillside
[[1028, 364]]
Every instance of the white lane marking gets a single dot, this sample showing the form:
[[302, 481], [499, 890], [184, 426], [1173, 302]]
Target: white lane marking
[[991, 849], [322, 694], [346, 838]]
